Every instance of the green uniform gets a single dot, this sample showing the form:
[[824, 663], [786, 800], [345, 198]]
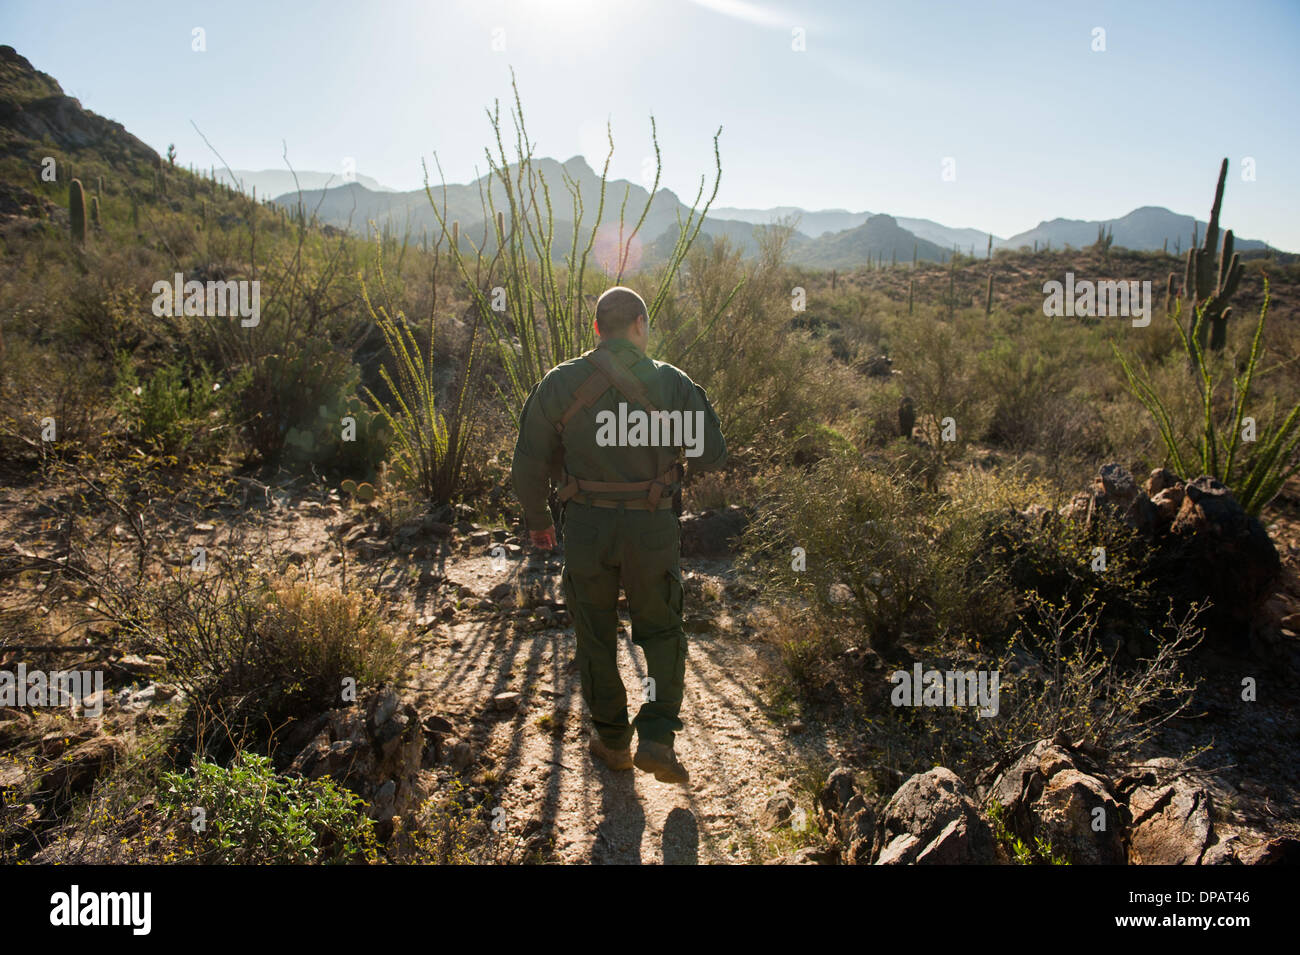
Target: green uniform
[[605, 545]]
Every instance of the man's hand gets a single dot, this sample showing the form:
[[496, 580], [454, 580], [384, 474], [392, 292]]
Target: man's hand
[[543, 540]]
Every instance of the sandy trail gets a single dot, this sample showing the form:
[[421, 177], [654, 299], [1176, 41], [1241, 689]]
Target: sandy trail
[[548, 783]]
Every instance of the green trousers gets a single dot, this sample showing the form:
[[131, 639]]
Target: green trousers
[[641, 549]]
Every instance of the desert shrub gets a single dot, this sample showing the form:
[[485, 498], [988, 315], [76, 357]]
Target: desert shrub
[[454, 828], [733, 337], [74, 391], [881, 555], [432, 438], [258, 651], [1057, 676], [252, 816], [176, 411]]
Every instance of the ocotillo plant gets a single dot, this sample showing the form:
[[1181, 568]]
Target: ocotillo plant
[[1208, 283], [77, 210], [547, 314]]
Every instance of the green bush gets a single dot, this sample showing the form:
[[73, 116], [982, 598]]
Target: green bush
[[251, 816], [176, 411], [881, 554]]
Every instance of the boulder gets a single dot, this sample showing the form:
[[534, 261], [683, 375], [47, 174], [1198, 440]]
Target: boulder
[[374, 749], [1217, 551], [1171, 824], [931, 820], [80, 766], [1052, 791]]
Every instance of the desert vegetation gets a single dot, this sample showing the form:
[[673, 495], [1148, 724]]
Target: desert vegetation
[[253, 527]]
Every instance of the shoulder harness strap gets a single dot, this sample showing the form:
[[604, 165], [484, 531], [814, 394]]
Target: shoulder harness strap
[[609, 373]]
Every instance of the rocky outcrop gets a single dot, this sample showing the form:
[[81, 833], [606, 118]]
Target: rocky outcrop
[[931, 820], [1061, 795], [35, 109], [374, 749], [1204, 545]]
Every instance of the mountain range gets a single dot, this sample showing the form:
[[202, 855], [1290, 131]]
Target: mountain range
[[826, 238], [34, 109]]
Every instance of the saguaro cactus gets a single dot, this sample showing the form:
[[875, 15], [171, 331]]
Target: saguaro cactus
[[1211, 276], [988, 298], [94, 212], [77, 210]]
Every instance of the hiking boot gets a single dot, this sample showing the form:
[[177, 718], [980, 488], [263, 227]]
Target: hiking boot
[[661, 760], [611, 757]]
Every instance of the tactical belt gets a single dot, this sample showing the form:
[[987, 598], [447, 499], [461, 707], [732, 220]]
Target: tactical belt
[[633, 505], [608, 374]]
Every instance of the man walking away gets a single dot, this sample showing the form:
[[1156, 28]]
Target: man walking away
[[609, 428]]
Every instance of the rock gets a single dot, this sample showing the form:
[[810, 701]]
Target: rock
[[1219, 552], [931, 820], [1161, 480], [479, 538], [1282, 850], [779, 808], [12, 779], [1036, 804], [433, 723], [461, 756], [80, 766], [58, 741], [1171, 824], [505, 593], [1168, 502], [1068, 811], [367, 747], [504, 702], [435, 528]]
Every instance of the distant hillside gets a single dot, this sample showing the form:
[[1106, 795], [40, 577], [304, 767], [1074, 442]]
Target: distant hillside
[[965, 240], [1147, 228], [34, 111], [277, 182], [879, 236], [811, 224]]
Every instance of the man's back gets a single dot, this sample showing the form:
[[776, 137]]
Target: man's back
[[615, 439]]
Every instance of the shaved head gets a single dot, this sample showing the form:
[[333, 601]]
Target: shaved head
[[617, 309]]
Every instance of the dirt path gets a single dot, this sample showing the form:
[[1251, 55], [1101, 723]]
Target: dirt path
[[537, 751]]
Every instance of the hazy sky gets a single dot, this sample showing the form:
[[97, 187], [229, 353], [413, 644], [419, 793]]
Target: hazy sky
[[1038, 123]]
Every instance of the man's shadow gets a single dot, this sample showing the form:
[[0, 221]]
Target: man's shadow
[[622, 820], [681, 838]]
